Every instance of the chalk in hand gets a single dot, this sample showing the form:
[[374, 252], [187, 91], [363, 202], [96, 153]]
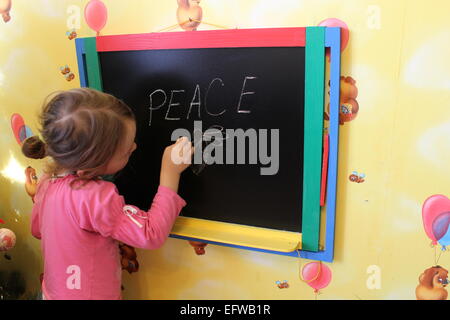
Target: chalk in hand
[[182, 151]]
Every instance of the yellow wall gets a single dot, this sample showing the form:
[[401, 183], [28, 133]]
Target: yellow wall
[[398, 54]]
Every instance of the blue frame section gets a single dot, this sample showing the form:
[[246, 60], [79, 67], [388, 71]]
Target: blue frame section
[[81, 59], [332, 40]]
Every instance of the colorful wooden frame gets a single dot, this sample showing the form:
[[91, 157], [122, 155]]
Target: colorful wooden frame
[[332, 41], [315, 40]]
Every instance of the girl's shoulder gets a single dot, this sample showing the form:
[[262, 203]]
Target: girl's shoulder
[[97, 185], [41, 187], [94, 194], [93, 189], [97, 195], [79, 188]]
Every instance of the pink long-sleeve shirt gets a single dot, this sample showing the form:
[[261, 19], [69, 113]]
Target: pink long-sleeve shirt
[[80, 229]]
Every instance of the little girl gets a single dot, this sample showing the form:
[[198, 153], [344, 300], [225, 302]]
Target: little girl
[[79, 217]]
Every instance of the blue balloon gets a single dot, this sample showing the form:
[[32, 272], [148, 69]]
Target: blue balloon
[[445, 240], [25, 132], [440, 225], [28, 132]]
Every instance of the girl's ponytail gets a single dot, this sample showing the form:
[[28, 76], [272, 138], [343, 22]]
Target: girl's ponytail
[[33, 147]]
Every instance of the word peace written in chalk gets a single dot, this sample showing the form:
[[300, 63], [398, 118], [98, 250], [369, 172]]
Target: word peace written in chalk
[[214, 85]]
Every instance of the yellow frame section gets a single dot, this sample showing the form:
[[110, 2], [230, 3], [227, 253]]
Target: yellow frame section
[[236, 234]]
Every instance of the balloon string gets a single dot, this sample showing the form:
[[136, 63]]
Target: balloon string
[[316, 291], [435, 254], [190, 20], [173, 26], [211, 24], [319, 270], [437, 260]]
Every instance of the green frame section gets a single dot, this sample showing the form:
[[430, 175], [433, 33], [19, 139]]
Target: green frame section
[[313, 136], [92, 63]]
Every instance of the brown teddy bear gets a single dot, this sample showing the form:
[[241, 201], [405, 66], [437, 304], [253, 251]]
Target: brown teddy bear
[[348, 106], [189, 14], [199, 247], [432, 283], [129, 258]]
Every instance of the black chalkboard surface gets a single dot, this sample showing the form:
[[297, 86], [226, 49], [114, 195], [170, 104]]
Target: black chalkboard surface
[[228, 88]]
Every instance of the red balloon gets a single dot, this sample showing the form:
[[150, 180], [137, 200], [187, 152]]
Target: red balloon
[[333, 22], [96, 15], [317, 275], [17, 124]]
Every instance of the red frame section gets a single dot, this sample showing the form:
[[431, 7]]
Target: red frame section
[[264, 37]]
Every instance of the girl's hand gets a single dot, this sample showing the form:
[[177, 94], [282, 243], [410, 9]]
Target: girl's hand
[[176, 158]]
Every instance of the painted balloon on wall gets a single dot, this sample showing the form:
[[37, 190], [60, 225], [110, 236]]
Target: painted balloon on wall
[[20, 130], [433, 207], [5, 7], [441, 230], [96, 15], [317, 275], [7, 239], [345, 33]]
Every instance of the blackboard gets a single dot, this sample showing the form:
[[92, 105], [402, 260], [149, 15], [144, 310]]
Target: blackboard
[[258, 87]]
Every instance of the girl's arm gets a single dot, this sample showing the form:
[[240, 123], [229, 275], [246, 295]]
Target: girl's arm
[[111, 217], [176, 159], [35, 225], [107, 214], [149, 229]]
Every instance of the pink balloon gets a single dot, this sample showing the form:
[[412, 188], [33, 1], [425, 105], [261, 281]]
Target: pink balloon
[[317, 275], [96, 15], [333, 22], [431, 209]]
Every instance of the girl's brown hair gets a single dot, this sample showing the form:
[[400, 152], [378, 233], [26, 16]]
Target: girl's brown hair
[[81, 130]]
